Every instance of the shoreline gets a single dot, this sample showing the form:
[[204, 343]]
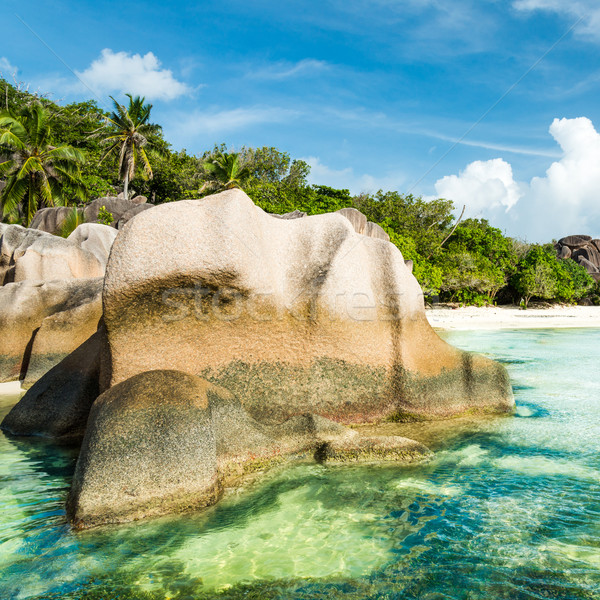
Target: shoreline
[[512, 317]]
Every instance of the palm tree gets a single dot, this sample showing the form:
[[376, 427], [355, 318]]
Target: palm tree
[[128, 135], [224, 171], [36, 172]]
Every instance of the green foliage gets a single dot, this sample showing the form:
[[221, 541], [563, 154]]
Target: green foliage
[[36, 171], [223, 171], [105, 216], [130, 136], [74, 219]]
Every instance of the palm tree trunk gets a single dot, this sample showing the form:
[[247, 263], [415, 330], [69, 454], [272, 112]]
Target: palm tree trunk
[[126, 186]]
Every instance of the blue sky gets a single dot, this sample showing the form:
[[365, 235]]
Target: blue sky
[[374, 94]]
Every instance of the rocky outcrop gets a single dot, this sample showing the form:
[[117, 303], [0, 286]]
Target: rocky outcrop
[[292, 316], [583, 250], [96, 239], [29, 254], [63, 313], [362, 226], [165, 441], [59, 403], [52, 219]]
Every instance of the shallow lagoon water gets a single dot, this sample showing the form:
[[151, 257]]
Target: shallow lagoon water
[[508, 509]]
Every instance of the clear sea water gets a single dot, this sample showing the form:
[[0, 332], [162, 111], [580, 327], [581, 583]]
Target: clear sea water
[[508, 509]]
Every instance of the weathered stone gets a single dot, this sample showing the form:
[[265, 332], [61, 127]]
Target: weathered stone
[[564, 252], [128, 215], [139, 200], [575, 241], [60, 333], [23, 308], [587, 265], [596, 244], [50, 219], [149, 449], [358, 220], [590, 254], [295, 214], [30, 254], [292, 316], [164, 441], [95, 238], [116, 206], [59, 403], [376, 231]]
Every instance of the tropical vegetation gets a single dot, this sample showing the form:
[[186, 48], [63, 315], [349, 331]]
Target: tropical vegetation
[[69, 155]]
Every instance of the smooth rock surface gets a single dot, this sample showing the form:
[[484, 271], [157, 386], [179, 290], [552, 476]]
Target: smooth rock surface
[[58, 404], [24, 307], [95, 238], [50, 219], [292, 316]]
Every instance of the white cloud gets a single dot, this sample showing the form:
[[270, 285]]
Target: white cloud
[[6, 68], [321, 174], [140, 75], [286, 70], [564, 201], [482, 186], [585, 11]]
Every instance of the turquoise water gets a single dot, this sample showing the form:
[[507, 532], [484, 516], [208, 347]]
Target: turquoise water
[[509, 509]]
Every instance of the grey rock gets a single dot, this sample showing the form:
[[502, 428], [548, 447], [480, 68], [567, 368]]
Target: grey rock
[[376, 231], [132, 212], [139, 200], [25, 306], [59, 403], [296, 214], [589, 266], [149, 449], [575, 241], [564, 252], [358, 220], [95, 238], [50, 219]]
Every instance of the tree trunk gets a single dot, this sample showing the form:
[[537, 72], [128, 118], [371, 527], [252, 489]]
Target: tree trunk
[[126, 186]]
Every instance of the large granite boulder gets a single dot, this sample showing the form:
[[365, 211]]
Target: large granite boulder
[[51, 219], [583, 250], [95, 238], [165, 441], [128, 215], [292, 316], [114, 205], [63, 313], [29, 254], [149, 449], [59, 403]]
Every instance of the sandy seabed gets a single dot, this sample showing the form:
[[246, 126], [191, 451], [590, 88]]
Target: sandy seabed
[[512, 317]]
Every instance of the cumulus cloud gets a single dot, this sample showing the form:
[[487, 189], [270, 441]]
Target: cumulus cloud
[[587, 11], [563, 201], [6, 68], [483, 185], [140, 75], [321, 174]]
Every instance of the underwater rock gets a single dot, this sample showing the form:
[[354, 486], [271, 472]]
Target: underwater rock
[[59, 403], [292, 316]]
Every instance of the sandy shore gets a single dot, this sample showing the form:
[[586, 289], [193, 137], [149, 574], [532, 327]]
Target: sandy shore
[[12, 387], [501, 317]]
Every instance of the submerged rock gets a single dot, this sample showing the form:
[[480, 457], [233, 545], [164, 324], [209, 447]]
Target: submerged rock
[[292, 316], [165, 441]]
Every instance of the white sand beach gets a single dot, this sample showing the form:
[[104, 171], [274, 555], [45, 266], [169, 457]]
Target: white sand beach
[[511, 317]]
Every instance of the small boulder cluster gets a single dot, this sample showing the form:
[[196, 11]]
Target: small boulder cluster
[[583, 250]]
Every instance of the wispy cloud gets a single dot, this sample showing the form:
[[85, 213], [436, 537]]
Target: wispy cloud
[[122, 72], [586, 10], [346, 178], [287, 70], [200, 124], [6, 68]]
